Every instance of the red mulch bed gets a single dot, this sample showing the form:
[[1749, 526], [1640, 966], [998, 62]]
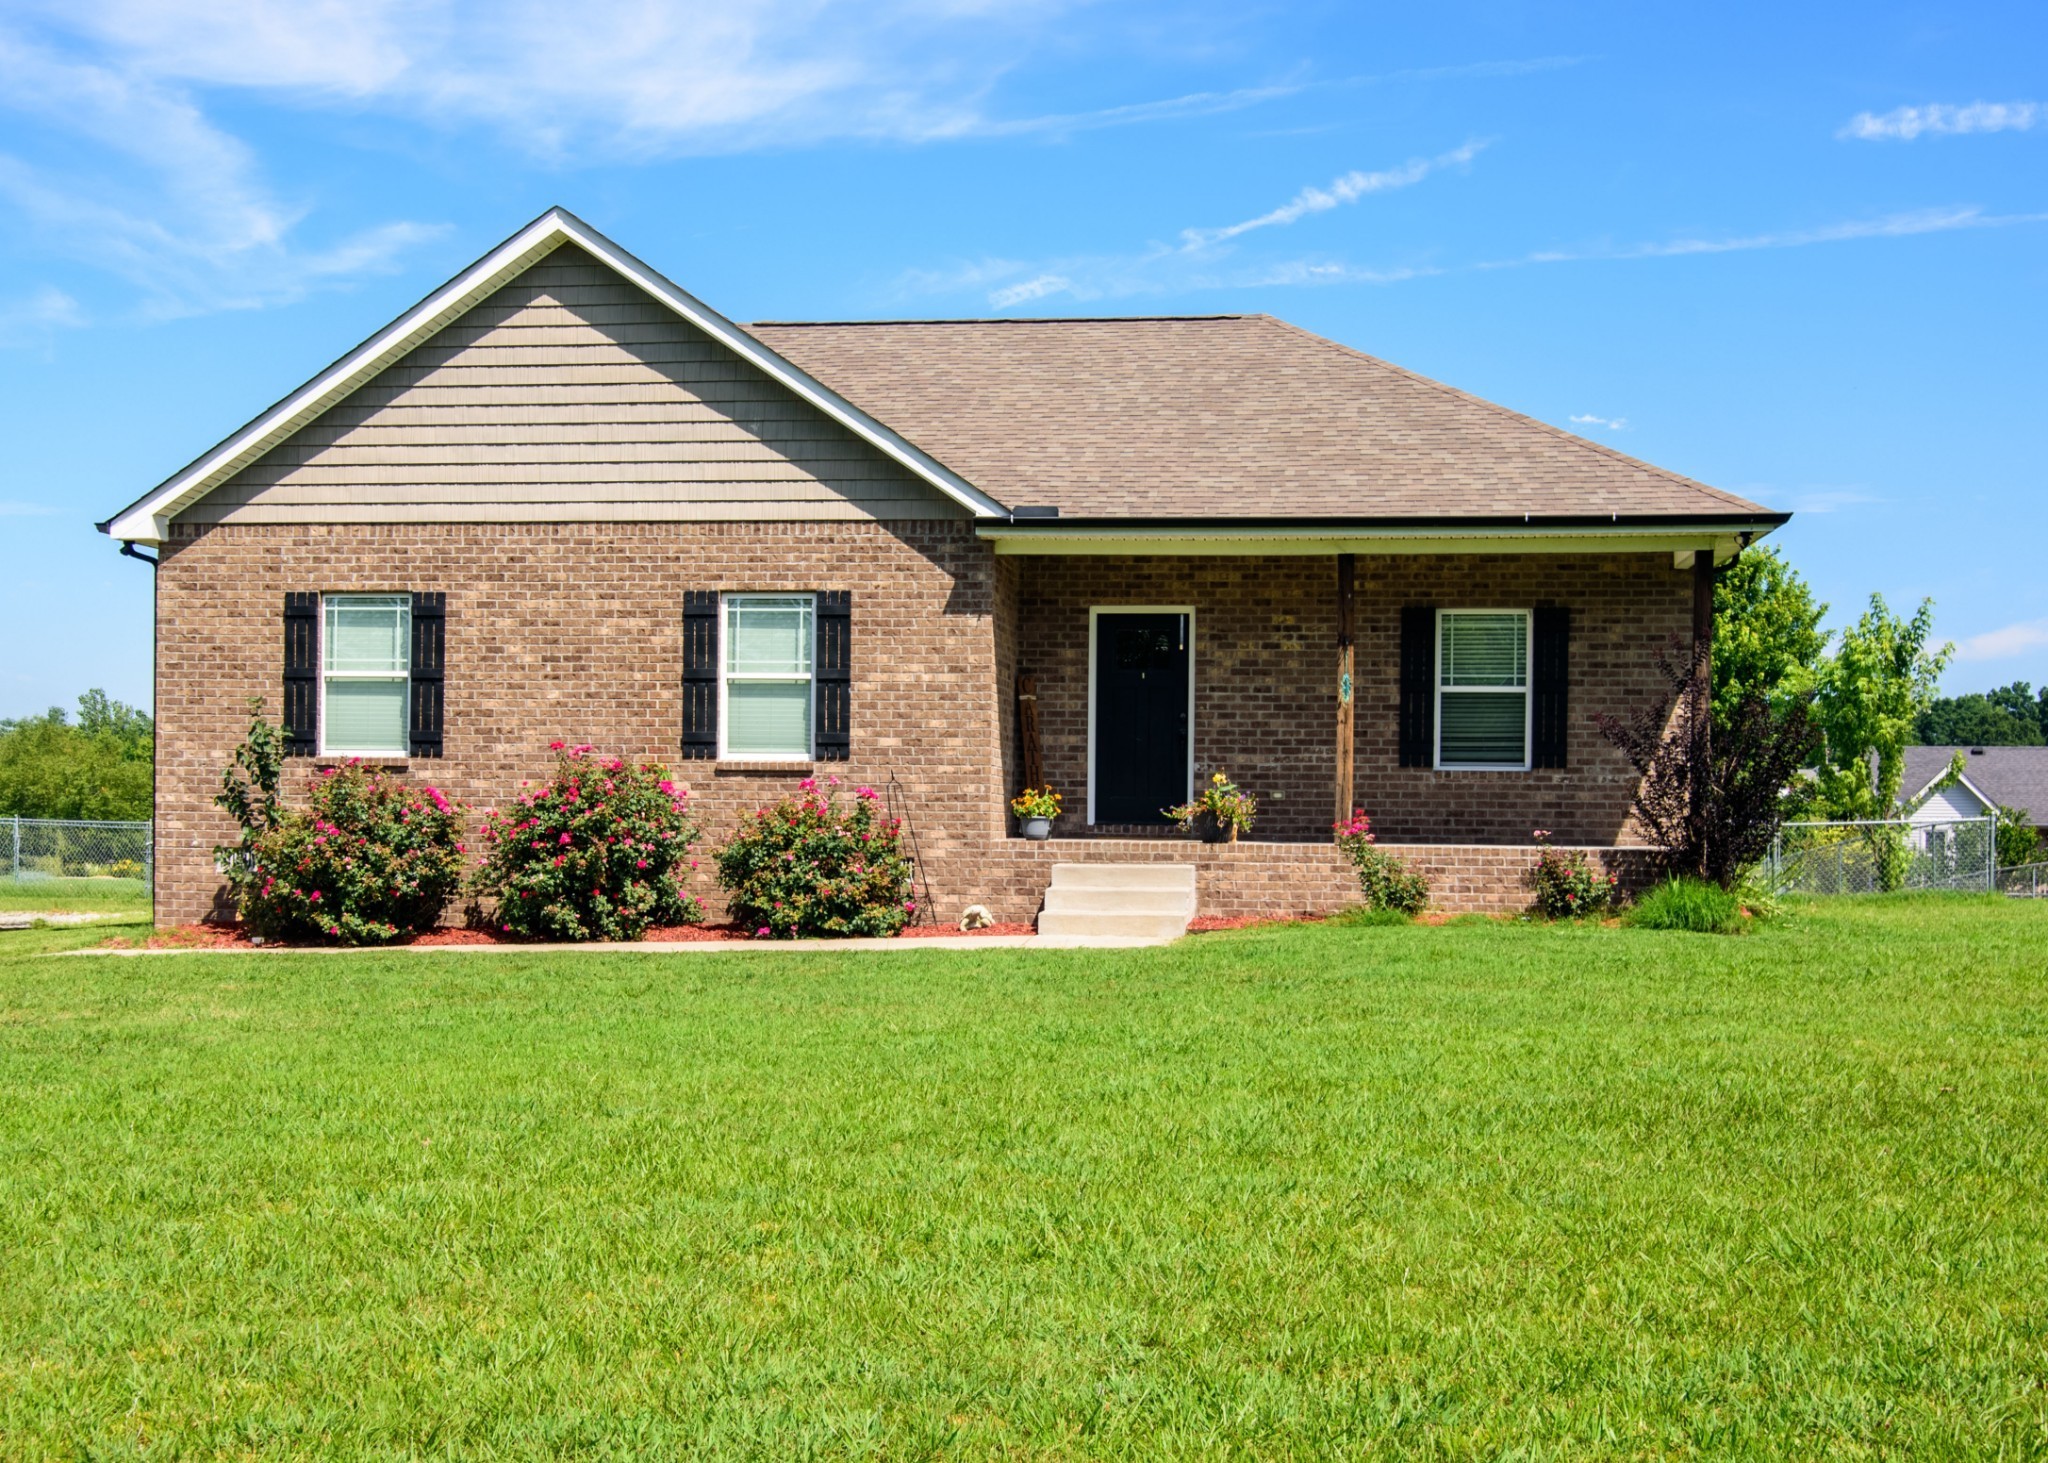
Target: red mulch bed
[[912, 932], [1203, 924]]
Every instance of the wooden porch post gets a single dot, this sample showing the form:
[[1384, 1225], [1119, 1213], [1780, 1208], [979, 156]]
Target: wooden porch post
[[1347, 624]]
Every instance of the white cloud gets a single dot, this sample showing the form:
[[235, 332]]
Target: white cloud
[[1348, 189], [1030, 289], [159, 195], [1612, 424], [1891, 226], [2006, 641], [17, 509], [1903, 124], [44, 308]]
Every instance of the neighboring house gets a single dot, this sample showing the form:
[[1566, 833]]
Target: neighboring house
[[563, 499], [1992, 777]]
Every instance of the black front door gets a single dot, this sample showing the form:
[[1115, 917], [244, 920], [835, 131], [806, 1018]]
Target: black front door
[[1141, 716]]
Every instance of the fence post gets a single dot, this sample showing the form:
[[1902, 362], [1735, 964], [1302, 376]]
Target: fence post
[[17, 848], [1991, 861]]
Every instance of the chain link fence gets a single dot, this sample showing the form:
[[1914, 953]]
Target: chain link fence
[[2024, 881], [1882, 857], [32, 849]]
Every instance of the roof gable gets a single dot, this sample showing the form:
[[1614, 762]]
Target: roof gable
[[147, 520]]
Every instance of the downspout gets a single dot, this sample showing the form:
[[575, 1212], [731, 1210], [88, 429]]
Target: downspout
[[129, 551]]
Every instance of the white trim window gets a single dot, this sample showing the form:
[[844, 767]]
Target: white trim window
[[767, 666], [1482, 690], [365, 674]]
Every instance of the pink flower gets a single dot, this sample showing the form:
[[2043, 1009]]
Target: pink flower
[[640, 863], [316, 896], [833, 779], [556, 746], [809, 784], [565, 838], [762, 931], [667, 786]]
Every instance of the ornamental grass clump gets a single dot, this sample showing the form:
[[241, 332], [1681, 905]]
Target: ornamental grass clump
[[600, 851], [1386, 882], [808, 867], [1566, 883], [369, 860]]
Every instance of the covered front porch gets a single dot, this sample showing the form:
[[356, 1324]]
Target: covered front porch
[[1317, 681]]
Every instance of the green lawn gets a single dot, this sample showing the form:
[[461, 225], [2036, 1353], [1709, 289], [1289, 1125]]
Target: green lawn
[[1478, 1191], [43, 896]]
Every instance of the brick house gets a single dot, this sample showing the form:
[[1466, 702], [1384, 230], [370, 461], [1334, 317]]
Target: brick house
[[564, 499]]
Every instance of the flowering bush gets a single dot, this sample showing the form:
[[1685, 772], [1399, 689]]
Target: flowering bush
[[597, 852], [1567, 886], [805, 867], [1036, 802], [1387, 882], [370, 859], [1230, 805]]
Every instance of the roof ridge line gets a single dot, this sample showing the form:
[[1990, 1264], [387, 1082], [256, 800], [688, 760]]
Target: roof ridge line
[[1008, 320], [1509, 412]]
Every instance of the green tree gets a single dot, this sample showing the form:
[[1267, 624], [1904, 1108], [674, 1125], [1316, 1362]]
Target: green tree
[[1872, 692], [2006, 717], [99, 767], [1767, 636]]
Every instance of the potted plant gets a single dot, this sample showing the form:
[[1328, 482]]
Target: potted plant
[[1217, 812], [1035, 808]]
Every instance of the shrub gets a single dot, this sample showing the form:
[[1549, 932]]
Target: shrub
[[1685, 903], [1567, 885], [600, 851], [1387, 882], [805, 867], [370, 859]]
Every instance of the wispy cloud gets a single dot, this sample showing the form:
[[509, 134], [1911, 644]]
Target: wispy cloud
[[1612, 424], [1030, 289], [14, 508], [2008, 640], [1903, 124], [1349, 188], [1830, 500], [43, 309], [159, 195], [1889, 226]]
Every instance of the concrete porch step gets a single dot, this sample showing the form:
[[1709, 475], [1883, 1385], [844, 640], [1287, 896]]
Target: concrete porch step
[[1136, 901], [1124, 876], [1068, 900]]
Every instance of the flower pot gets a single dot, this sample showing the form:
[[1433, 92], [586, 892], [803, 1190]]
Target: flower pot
[[1209, 830], [1035, 829]]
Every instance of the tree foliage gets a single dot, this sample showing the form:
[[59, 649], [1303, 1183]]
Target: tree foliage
[[1767, 636], [1711, 799], [2009, 716], [1871, 693], [96, 767]]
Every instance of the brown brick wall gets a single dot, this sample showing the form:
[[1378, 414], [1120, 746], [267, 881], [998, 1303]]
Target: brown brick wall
[[1265, 692], [573, 631]]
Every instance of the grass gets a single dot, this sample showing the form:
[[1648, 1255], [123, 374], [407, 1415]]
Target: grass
[[1481, 1190], [1692, 905], [53, 895]]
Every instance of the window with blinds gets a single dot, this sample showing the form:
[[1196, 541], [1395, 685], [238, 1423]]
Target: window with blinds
[[768, 660], [1482, 709], [366, 674]]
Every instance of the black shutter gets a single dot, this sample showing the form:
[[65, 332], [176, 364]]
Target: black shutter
[[1418, 686], [429, 661], [700, 673], [1549, 685], [301, 674], [833, 739]]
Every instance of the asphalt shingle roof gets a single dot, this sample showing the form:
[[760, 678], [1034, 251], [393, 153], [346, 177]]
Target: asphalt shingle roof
[[1234, 416], [2012, 777]]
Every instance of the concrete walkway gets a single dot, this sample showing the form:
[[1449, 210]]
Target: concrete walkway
[[677, 947], [15, 919]]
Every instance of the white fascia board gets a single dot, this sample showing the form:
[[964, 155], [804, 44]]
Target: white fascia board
[[1078, 538], [147, 520]]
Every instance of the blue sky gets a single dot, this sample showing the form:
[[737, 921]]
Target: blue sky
[[1798, 252]]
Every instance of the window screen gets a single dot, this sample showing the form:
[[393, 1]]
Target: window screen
[[1483, 688], [366, 650], [768, 661]]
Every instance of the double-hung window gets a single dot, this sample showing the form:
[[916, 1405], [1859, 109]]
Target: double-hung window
[[767, 664], [365, 674], [1482, 689]]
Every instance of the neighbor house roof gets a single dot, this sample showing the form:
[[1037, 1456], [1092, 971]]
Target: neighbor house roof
[[1222, 417], [2011, 777]]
